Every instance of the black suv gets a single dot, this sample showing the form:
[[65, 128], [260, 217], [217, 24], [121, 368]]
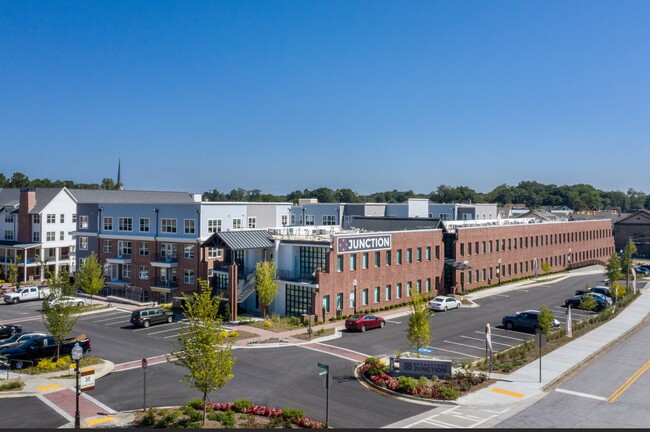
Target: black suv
[[598, 290], [148, 316], [526, 320]]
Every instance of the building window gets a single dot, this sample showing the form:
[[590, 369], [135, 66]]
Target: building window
[[437, 252], [469, 276], [339, 301], [61, 235], [427, 285], [310, 220], [168, 250], [144, 249], [9, 217], [36, 237], [408, 288], [74, 218], [107, 247], [190, 226], [83, 243], [35, 218], [188, 251], [329, 220], [236, 223], [214, 225], [51, 218], [388, 254], [123, 248], [388, 293], [284, 219], [399, 256], [326, 303], [62, 218], [483, 247], [144, 225], [311, 259], [293, 219], [339, 263], [108, 223], [168, 225], [252, 221], [9, 235], [376, 295], [483, 275], [364, 297], [377, 259], [364, 260], [398, 291], [409, 255], [83, 222], [50, 236], [188, 276], [418, 254], [126, 271], [427, 252], [298, 300], [125, 224], [418, 286], [353, 261], [214, 252], [144, 272]]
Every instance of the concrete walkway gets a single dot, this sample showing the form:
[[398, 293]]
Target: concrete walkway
[[521, 386]]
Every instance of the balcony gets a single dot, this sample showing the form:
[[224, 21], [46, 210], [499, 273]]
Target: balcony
[[164, 261], [290, 276], [164, 286]]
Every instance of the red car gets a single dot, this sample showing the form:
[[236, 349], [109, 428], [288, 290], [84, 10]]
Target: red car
[[364, 322]]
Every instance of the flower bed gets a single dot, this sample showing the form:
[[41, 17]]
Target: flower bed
[[448, 388]]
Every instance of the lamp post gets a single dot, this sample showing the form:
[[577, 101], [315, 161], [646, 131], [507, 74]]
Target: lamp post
[[499, 271], [568, 258], [354, 284], [77, 354]]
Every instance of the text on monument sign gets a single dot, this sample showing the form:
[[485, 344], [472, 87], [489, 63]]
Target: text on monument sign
[[363, 243], [426, 367]]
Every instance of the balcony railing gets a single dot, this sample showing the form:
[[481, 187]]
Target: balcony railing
[[288, 275]]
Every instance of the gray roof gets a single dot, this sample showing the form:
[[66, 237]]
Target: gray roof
[[9, 197], [253, 239], [373, 223], [92, 196]]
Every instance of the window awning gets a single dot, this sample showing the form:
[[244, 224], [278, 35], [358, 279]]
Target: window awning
[[457, 264]]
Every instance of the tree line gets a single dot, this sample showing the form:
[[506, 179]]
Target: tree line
[[532, 194]]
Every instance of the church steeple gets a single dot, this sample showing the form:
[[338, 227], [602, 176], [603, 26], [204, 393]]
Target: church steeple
[[119, 184]]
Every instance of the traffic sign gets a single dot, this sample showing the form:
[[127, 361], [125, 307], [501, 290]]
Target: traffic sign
[[144, 363], [87, 381], [323, 373]]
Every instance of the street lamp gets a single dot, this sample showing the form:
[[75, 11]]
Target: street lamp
[[354, 284], [499, 271], [77, 354]]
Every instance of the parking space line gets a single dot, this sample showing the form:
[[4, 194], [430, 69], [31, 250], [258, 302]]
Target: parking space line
[[483, 340], [117, 322], [107, 319], [455, 352], [465, 345], [502, 336], [162, 331], [147, 328]]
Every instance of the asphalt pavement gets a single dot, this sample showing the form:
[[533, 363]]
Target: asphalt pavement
[[521, 387]]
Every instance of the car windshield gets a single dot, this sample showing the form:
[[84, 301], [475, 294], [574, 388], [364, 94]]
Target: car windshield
[[355, 317]]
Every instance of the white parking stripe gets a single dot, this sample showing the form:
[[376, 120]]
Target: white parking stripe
[[502, 336], [483, 340], [590, 396], [162, 331], [117, 322], [465, 345], [455, 352]]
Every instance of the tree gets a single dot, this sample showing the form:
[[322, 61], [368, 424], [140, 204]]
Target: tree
[[417, 331], [588, 303], [59, 318], [12, 270], [546, 267], [545, 319], [205, 349], [265, 284], [613, 269], [626, 259], [89, 277]]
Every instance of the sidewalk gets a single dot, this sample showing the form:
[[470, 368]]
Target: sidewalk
[[520, 386]]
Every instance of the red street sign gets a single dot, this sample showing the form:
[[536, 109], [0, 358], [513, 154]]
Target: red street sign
[[144, 363], [87, 380]]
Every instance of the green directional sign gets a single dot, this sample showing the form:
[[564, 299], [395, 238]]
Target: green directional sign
[[323, 373], [324, 366]]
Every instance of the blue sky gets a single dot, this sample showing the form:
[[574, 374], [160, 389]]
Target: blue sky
[[368, 95]]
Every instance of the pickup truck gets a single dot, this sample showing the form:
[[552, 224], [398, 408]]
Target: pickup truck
[[26, 293], [32, 350]]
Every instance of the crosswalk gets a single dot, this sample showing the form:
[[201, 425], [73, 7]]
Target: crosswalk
[[465, 417]]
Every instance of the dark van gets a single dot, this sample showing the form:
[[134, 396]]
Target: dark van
[[148, 316]]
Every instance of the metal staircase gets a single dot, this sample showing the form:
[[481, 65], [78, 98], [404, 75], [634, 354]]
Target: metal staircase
[[247, 288]]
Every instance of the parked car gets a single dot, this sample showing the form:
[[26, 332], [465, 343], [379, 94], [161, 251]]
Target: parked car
[[19, 338], [364, 322], [642, 271], [8, 330], [32, 350], [444, 303], [147, 316], [525, 320], [69, 301], [603, 290], [602, 301]]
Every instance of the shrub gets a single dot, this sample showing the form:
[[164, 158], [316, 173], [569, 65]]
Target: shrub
[[295, 321], [292, 414], [447, 393], [407, 384], [167, 420], [233, 334], [242, 405], [423, 381], [197, 404], [149, 417], [373, 366], [268, 324], [11, 385], [226, 418]]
